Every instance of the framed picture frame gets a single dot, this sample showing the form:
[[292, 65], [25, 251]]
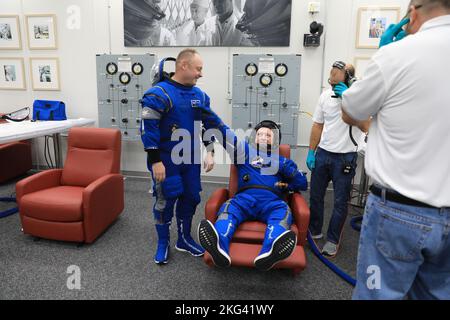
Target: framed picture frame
[[361, 64], [10, 38], [372, 22], [41, 31], [12, 74], [45, 74]]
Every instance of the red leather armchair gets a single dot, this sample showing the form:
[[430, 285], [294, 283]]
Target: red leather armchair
[[248, 238], [76, 203], [15, 159]]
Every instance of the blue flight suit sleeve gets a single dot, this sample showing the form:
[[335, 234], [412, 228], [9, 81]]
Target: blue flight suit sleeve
[[295, 178], [235, 148], [155, 104]]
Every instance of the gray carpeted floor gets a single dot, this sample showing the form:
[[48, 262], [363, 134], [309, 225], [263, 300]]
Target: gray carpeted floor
[[119, 265]]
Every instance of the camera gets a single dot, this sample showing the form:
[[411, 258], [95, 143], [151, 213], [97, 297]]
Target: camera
[[313, 39]]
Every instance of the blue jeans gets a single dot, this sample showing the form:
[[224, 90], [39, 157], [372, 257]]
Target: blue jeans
[[329, 167], [403, 251]]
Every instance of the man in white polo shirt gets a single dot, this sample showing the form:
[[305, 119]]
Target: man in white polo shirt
[[405, 244], [332, 157]]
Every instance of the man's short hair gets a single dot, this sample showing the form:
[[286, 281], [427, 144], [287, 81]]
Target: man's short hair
[[186, 54], [429, 4]]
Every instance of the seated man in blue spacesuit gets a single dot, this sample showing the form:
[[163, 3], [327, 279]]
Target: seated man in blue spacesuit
[[174, 109], [263, 176]]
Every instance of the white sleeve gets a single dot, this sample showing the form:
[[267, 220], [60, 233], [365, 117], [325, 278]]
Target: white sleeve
[[318, 113], [365, 97]]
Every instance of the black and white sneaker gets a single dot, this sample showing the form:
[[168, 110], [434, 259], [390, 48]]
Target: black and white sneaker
[[282, 248], [209, 239]]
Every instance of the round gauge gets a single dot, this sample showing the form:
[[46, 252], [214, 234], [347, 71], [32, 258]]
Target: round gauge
[[137, 68], [266, 80], [251, 69], [124, 78], [111, 68], [281, 70]]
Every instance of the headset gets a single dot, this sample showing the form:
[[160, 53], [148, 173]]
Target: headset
[[17, 116], [158, 71], [349, 73]]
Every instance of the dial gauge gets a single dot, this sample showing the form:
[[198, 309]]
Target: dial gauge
[[281, 70], [266, 80], [251, 69], [137, 68], [111, 68], [124, 78]]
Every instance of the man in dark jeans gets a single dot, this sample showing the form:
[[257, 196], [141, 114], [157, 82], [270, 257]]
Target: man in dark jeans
[[332, 157]]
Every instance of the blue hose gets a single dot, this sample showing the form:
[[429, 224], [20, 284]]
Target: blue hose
[[354, 224], [8, 212], [328, 263]]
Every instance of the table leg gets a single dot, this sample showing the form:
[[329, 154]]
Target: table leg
[[57, 149]]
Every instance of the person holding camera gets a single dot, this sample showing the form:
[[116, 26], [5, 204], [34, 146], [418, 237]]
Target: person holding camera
[[332, 157], [404, 243]]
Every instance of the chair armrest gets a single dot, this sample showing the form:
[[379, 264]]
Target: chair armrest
[[103, 201], [214, 203], [39, 181], [300, 211]]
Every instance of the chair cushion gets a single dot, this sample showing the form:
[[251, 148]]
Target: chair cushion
[[253, 232], [59, 204], [83, 166], [91, 154]]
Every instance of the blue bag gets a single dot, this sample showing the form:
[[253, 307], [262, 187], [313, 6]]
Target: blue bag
[[49, 110]]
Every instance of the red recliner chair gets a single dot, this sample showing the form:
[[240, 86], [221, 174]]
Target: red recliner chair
[[76, 203], [248, 238], [15, 159]]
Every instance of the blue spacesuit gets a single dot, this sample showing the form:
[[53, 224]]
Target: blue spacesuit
[[259, 197], [169, 108]]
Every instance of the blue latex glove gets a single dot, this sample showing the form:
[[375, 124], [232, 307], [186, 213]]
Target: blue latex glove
[[339, 89], [311, 160], [393, 33]]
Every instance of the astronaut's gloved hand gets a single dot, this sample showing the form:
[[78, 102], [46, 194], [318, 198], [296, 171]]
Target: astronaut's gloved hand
[[339, 89], [311, 160], [159, 171], [393, 33]]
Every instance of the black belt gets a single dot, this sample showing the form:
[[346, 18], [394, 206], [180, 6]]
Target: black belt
[[397, 197], [278, 193]]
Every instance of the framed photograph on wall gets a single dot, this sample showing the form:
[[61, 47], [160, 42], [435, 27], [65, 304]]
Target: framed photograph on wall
[[361, 64], [372, 22], [45, 74], [10, 33], [41, 31], [12, 74], [206, 23]]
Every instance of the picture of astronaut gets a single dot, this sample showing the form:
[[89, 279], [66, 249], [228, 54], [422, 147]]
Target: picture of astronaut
[[45, 74], [5, 31], [41, 32], [377, 27], [218, 23], [10, 73]]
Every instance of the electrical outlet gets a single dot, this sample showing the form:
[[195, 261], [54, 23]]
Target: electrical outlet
[[314, 7]]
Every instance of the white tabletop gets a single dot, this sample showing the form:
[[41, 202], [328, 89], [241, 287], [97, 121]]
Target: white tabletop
[[15, 131]]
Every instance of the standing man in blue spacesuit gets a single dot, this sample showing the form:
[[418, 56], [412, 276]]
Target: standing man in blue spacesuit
[[173, 106], [262, 176]]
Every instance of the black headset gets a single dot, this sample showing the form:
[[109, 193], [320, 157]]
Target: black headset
[[349, 73]]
